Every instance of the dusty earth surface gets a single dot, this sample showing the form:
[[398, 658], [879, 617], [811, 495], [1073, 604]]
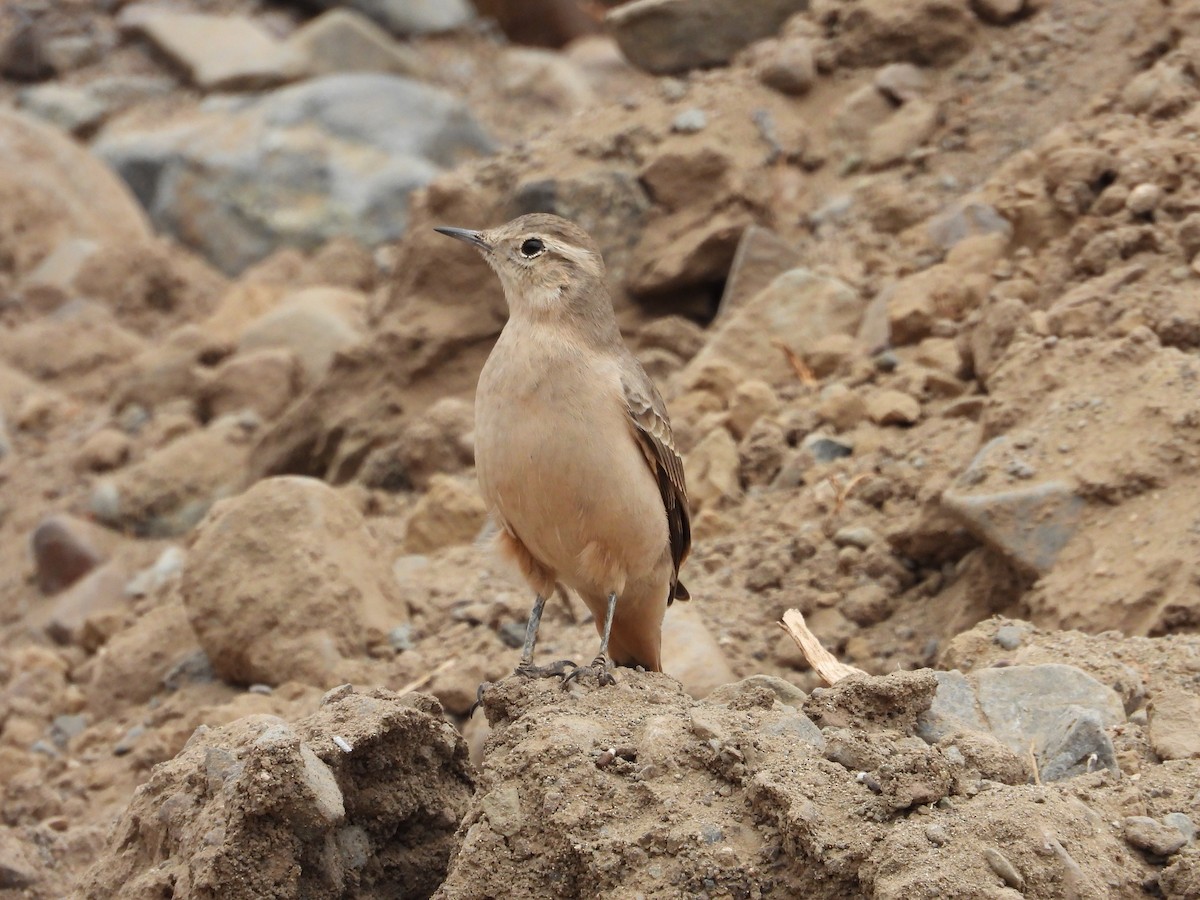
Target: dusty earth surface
[[920, 283]]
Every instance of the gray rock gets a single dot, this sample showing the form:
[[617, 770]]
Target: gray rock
[[129, 740], [690, 121], [1076, 745], [342, 40], [954, 708], [1023, 705], [1027, 525], [859, 536], [338, 155], [1183, 823], [668, 36], [966, 219], [65, 727], [410, 17], [218, 53], [1154, 837], [1009, 636], [826, 449], [799, 726], [70, 108]]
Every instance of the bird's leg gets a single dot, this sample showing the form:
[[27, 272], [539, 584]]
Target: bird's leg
[[525, 666], [599, 665]]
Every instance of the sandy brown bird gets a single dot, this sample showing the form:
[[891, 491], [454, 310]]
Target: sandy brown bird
[[573, 446]]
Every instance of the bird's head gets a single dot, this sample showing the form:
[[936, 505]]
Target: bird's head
[[546, 264]]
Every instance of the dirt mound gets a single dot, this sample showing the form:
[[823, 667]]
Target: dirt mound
[[359, 798]]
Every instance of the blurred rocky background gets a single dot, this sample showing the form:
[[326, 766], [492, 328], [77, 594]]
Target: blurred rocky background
[[921, 284]]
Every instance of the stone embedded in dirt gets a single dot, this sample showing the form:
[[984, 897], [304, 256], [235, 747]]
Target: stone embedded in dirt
[[406, 18], [788, 66], [901, 82], [797, 309], [1029, 526], [1174, 715], [749, 402], [73, 109], [64, 550], [761, 257], [681, 337], [343, 40], [1153, 836], [858, 113], [218, 53], [47, 202], [665, 37], [1076, 744], [99, 593], [1023, 704], [307, 613], [691, 653], [999, 12], [954, 708], [449, 512], [17, 869], [438, 440], [170, 490], [907, 129], [923, 32], [545, 80], [889, 407], [377, 137], [363, 795], [966, 219], [712, 470], [264, 381], [314, 323]]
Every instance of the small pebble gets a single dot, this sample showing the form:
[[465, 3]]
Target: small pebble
[[342, 744], [129, 741], [936, 835], [1153, 836], [859, 536], [1001, 865], [690, 121], [1008, 637], [264, 689], [1144, 199]]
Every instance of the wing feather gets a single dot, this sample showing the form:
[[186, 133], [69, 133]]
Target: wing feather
[[652, 429]]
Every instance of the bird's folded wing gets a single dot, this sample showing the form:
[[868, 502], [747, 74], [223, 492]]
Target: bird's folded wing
[[652, 429]]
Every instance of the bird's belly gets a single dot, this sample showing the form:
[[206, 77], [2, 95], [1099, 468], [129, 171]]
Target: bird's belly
[[574, 486]]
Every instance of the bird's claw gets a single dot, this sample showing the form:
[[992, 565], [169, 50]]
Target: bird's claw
[[554, 670], [483, 686], [599, 668]]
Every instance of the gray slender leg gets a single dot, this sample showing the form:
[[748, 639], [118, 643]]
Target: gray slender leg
[[531, 631], [525, 666], [599, 665]]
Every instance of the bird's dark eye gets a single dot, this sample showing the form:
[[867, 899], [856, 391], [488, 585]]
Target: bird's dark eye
[[532, 247]]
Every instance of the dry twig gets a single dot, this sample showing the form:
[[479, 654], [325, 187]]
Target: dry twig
[[799, 366], [417, 683], [824, 663]]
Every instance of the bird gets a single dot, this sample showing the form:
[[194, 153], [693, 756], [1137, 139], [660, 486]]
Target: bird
[[574, 451]]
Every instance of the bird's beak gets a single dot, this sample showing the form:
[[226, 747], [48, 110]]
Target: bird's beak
[[474, 238]]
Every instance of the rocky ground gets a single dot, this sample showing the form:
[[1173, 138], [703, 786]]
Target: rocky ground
[[919, 282]]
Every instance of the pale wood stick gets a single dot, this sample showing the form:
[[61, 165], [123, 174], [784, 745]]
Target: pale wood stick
[[427, 677], [823, 662]]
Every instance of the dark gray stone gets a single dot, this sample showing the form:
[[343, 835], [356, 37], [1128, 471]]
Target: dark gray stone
[[954, 708], [338, 155], [1076, 745]]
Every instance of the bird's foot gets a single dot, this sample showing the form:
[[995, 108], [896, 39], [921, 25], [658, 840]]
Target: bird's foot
[[554, 670], [599, 668], [483, 686]]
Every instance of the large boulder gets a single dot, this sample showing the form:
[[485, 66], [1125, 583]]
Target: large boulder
[[285, 583], [51, 189], [332, 156]]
